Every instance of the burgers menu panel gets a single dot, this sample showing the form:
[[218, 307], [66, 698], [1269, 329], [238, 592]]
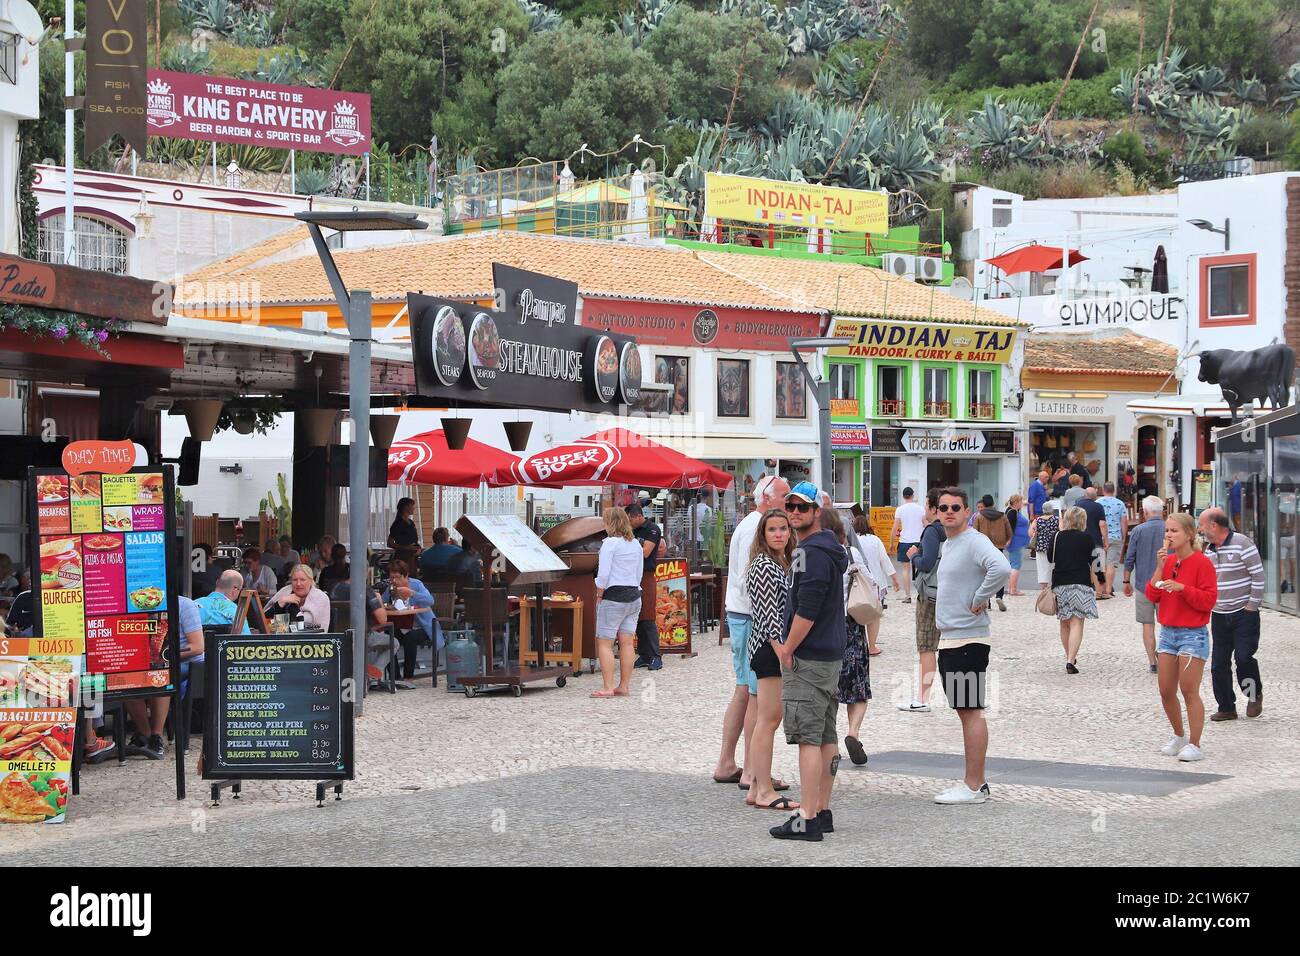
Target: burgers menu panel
[[279, 707]]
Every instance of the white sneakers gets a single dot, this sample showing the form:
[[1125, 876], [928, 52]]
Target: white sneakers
[[915, 707], [1183, 749], [1174, 747], [963, 794]]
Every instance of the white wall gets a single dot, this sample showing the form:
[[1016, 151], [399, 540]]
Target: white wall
[[18, 101]]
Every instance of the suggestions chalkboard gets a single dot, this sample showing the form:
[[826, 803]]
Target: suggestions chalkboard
[[279, 707]]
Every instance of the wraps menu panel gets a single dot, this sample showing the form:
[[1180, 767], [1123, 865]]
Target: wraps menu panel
[[279, 707]]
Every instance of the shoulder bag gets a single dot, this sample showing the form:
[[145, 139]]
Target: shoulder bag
[[864, 600], [1045, 603]]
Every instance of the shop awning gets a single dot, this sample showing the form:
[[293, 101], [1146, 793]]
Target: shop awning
[[1192, 404], [733, 448]]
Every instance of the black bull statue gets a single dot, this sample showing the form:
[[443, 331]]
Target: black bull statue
[[1266, 373]]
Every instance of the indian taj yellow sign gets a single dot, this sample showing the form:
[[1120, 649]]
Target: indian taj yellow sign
[[769, 201], [935, 343]]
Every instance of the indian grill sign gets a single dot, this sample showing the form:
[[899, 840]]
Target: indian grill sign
[[225, 110]]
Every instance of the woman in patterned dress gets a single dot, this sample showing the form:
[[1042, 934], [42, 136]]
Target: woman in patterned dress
[[1074, 571], [767, 581], [1043, 530]]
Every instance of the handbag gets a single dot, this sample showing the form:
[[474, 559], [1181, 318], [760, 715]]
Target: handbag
[[864, 600], [1045, 603]]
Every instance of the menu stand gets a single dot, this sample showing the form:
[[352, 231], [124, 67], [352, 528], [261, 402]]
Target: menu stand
[[509, 548]]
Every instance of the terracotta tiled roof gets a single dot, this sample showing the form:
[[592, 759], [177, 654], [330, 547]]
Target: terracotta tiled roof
[[461, 267], [843, 288], [1111, 352], [250, 256]]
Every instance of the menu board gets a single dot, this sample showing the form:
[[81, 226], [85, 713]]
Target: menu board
[[513, 540], [35, 761], [105, 603], [279, 707], [882, 526], [673, 606]]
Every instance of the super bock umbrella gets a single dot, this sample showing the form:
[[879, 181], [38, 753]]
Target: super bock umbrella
[[613, 456], [1033, 258], [425, 459]]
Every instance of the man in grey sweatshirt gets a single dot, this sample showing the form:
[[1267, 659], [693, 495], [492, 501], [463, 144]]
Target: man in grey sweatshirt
[[971, 571]]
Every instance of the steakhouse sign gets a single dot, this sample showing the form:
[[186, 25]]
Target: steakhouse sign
[[224, 110]]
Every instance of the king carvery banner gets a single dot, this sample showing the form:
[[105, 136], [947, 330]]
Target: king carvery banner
[[225, 110]]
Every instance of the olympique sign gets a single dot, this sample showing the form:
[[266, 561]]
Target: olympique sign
[[224, 110], [654, 323]]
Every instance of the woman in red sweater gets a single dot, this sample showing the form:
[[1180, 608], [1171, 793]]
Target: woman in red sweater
[[1184, 589]]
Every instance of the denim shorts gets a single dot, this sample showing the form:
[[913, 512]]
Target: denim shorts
[[739, 626], [1015, 556], [616, 617], [1184, 642]]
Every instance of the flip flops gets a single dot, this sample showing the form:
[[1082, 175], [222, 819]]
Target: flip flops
[[780, 803], [777, 785], [734, 778]]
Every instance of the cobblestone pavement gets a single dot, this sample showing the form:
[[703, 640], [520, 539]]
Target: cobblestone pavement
[[558, 777]]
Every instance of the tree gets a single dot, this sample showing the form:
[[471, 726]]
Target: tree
[[579, 85], [704, 53], [412, 56], [1232, 34], [314, 25]]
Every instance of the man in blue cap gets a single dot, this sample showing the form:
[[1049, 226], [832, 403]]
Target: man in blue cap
[[811, 656]]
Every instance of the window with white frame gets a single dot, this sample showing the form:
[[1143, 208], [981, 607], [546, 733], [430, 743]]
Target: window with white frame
[[844, 381], [935, 392], [1229, 291], [96, 244], [979, 392]]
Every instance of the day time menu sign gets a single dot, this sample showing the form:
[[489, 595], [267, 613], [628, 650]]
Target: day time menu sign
[[673, 606], [279, 708], [104, 589]]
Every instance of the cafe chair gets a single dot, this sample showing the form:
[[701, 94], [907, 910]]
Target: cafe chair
[[340, 622]]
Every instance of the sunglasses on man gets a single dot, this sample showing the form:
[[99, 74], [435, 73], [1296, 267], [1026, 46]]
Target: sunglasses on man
[[799, 506], [946, 508]]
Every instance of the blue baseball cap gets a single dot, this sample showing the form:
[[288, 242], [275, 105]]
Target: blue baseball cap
[[805, 490]]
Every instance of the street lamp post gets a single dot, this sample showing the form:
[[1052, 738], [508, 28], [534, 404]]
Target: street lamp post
[[821, 390], [356, 309]]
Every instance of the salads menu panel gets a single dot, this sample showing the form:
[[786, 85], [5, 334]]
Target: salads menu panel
[[279, 707]]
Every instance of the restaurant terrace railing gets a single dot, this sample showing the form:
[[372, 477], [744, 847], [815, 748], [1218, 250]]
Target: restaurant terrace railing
[[981, 411], [892, 408], [937, 409]]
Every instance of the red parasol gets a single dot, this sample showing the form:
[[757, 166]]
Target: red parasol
[[425, 459], [1034, 258], [613, 456]]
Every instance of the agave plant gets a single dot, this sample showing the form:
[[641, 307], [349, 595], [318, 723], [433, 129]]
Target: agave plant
[[1250, 89], [931, 118], [1126, 90], [1210, 128], [1004, 132], [907, 160], [219, 16], [285, 68], [310, 182], [1208, 81], [253, 29], [183, 58], [1289, 88], [540, 17]]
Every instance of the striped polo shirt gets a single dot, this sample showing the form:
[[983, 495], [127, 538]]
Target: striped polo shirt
[[1240, 573]]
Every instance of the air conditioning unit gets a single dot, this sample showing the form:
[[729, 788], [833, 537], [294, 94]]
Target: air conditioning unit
[[929, 268], [899, 265]]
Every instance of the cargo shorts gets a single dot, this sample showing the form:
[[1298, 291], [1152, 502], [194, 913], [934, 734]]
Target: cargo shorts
[[810, 702]]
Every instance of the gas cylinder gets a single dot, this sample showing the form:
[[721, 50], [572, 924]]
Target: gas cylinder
[[463, 659]]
